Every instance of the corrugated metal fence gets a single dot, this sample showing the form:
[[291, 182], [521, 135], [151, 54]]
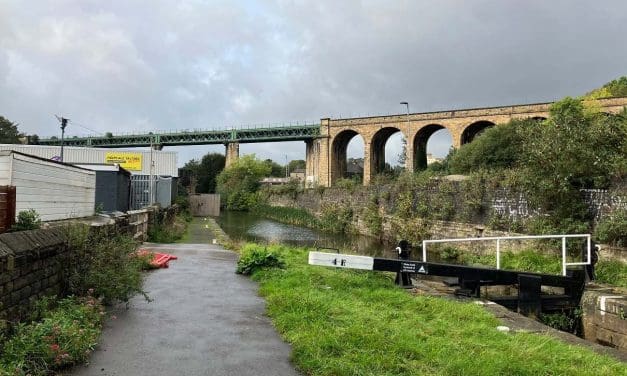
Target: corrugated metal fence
[[7, 207]]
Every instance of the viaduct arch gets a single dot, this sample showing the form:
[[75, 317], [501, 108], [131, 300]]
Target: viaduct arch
[[463, 125]]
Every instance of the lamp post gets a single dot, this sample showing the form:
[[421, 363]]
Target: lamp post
[[405, 141], [63, 125]]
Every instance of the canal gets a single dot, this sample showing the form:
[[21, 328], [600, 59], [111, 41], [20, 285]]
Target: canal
[[250, 227]]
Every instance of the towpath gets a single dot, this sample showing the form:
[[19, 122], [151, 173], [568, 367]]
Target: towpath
[[203, 320]]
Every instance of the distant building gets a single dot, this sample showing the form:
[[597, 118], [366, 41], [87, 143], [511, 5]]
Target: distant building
[[432, 159], [274, 181]]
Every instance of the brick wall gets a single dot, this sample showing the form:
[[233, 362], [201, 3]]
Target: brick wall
[[30, 267]]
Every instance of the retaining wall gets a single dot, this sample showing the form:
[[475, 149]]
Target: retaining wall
[[30, 267], [605, 316], [32, 262]]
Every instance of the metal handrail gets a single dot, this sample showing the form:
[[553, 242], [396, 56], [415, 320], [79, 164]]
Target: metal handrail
[[524, 237]]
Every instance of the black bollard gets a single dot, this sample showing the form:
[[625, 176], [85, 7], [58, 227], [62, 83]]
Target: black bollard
[[404, 251], [594, 255]]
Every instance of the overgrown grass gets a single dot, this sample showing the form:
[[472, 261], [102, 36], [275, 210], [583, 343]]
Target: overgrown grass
[[344, 322], [64, 333], [164, 233], [612, 272], [292, 216], [104, 262]]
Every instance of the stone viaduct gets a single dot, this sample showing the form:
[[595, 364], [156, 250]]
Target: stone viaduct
[[326, 154]]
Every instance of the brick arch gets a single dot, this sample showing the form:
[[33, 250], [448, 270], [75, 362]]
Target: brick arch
[[376, 150], [339, 145], [419, 144], [473, 130]]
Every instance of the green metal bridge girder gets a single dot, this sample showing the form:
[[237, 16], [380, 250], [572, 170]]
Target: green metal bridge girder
[[244, 135]]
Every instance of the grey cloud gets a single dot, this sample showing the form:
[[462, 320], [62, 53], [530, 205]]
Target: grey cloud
[[157, 65]]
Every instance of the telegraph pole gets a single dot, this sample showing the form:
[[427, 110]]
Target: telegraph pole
[[63, 125]]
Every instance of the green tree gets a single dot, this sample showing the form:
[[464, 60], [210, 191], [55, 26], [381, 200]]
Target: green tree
[[202, 173], [576, 148], [276, 169], [612, 89], [239, 183], [495, 148], [9, 133], [210, 166], [297, 164]]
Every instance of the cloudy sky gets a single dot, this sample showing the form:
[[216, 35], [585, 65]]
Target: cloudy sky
[[145, 65]]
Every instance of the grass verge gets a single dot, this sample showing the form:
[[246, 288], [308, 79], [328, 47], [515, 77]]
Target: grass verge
[[162, 233], [345, 322]]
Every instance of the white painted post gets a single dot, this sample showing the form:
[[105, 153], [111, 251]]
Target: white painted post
[[563, 255], [589, 250], [498, 254], [424, 251]]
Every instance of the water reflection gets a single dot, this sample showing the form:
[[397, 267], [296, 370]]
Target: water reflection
[[250, 227]]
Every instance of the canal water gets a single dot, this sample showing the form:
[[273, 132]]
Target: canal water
[[250, 227]]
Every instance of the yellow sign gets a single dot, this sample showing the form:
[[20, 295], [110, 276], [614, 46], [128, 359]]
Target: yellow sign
[[129, 161]]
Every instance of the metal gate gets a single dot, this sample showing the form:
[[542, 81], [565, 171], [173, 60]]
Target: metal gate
[[202, 205]]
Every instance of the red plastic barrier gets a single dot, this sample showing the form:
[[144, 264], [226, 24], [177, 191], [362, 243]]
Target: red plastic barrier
[[159, 260]]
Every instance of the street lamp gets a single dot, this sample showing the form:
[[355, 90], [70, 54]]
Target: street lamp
[[63, 125], [405, 141]]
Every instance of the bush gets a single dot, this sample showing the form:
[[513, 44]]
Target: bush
[[105, 262], [255, 257], [336, 218], [613, 229], [611, 272], [27, 220], [65, 334]]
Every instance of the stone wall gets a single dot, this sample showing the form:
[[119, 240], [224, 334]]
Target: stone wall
[[30, 267], [394, 228], [32, 262], [605, 316]]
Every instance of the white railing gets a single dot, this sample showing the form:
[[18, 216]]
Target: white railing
[[498, 246]]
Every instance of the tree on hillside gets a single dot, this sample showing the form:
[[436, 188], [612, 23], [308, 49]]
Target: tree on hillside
[[9, 133], [238, 184], [612, 89]]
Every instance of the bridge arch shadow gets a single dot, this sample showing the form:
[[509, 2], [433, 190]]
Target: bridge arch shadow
[[474, 129], [420, 142], [339, 156], [377, 148]]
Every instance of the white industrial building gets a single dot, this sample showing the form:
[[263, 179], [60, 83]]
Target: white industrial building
[[164, 169], [164, 162], [54, 190]]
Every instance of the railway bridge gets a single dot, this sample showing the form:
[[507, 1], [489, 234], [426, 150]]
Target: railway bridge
[[326, 143]]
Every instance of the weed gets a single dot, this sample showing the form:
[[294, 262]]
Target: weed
[[103, 261], [612, 272], [613, 229], [64, 334], [27, 220], [254, 258]]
